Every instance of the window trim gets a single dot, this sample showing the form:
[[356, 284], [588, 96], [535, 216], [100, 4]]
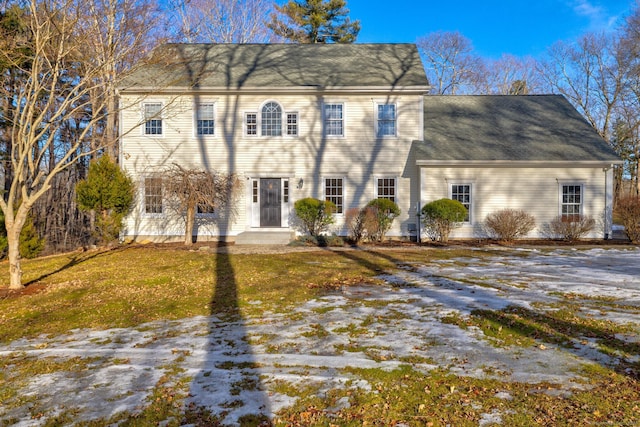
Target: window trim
[[246, 124], [196, 118], [343, 119], [377, 120], [285, 124], [159, 116], [561, 203], [469, 219], [144, 196], [377, 188], [342, 196]]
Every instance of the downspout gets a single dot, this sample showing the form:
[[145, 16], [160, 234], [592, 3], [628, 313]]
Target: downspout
[[418, 231], [608, 201]]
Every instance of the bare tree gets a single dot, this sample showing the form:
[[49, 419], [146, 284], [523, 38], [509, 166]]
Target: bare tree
[[594, 74], [113, 35], [510, 75], [52, 113], [591, 74], [627, 126], [223, 21], [197, 189], [117, 34], [451, 65]]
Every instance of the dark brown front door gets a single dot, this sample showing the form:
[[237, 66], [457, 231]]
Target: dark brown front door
[[270, 204]]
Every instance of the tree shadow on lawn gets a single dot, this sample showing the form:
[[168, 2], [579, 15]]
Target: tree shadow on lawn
[[569, 335], [227, 388], [528, 323], [76, 259]]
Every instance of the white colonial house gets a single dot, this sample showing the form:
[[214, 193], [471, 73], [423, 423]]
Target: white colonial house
[[347, 123]]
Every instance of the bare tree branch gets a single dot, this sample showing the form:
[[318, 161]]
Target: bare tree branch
[[451, 66], [193, 189]]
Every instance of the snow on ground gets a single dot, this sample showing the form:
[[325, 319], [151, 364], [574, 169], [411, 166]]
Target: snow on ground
[[233, 367]]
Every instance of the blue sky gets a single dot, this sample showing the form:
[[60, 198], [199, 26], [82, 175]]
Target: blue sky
[[517, 27]]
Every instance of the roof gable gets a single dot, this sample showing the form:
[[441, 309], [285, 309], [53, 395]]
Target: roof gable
[[529, 128], [236, 66]]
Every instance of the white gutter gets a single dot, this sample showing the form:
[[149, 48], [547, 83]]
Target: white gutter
[[519, 163]]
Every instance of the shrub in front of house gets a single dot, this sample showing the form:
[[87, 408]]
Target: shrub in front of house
[[571, 228], [507, 225], [359, 221], [380, 218], [441, 216], [315, 215], [628, 211]]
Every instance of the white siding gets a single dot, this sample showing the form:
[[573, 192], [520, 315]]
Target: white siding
[[535, 190], [358, 156]]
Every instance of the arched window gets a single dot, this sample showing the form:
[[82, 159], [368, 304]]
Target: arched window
[[271, 119]]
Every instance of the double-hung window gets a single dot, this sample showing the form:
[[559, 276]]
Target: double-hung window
[[386, 120], [334, 192], [386, 188], [334, 119], [205, 118], [251, 124], [571, 205], [271, 119], [153, 118], [153, 195], [292, 124], [462, 193]]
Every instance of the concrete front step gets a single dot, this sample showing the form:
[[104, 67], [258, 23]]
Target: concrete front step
[[265, 237]]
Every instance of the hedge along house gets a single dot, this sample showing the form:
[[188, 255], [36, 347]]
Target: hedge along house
[[346, 123]]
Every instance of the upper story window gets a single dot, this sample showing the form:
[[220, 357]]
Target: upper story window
[[462, 193], [386, 120], [205, 118], [271, 119], [292, 124], [334, 119], [153, 118], [386, 188], [251, 124], [571, 205]]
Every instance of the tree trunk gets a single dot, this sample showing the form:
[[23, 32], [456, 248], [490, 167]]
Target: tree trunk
[[188, 233], [15, 267], [14, 222]]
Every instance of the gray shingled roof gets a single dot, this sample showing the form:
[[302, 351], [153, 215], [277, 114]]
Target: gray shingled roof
[[280, 65], [538, 128]]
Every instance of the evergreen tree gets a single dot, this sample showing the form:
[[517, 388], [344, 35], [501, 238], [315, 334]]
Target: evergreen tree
[[314, 21], [108, 192], [31, 244]]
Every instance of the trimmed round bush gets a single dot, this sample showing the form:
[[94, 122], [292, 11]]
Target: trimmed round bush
[[441, 216], [315, 215]]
